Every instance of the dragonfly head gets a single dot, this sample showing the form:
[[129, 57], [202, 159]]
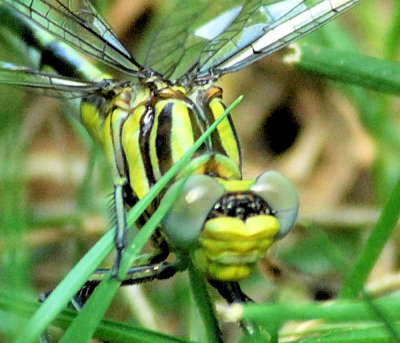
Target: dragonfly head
[[230, 224]]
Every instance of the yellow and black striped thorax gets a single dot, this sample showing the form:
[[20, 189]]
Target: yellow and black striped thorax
[[146, 129]]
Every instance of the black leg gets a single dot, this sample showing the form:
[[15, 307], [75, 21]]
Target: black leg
[[232, 293], [136, 275], [120, 219]]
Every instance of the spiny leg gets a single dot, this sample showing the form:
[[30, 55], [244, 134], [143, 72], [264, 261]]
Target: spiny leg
[[121, 226], [136, 275]]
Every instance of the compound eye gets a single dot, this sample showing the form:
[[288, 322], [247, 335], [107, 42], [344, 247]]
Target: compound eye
[[281, 195], [185, 219]]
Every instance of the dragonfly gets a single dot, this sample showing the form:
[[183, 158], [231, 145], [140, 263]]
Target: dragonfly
[[146, 115]]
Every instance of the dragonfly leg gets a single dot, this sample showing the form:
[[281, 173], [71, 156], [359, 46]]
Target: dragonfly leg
[[120, 232], [232, 293], [136, 275]]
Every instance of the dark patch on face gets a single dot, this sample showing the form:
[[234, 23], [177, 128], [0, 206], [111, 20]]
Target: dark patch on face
[[239, 205]]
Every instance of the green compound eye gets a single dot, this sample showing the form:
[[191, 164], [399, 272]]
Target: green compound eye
[[184, 221], [281, 196]]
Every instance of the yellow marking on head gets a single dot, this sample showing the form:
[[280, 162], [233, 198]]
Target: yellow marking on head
[[242, 246], [232, 186], [229, 273], [232, 229], [229, 247]]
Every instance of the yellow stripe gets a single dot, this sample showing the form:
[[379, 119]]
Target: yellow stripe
[[182, 134], [130, 143], [91, 120], [225, 131], [118, 119]]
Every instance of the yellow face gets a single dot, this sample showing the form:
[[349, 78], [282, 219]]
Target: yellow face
[[230, 247], [229, 225]]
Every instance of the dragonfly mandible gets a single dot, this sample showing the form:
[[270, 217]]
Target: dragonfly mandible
[[147, 115]]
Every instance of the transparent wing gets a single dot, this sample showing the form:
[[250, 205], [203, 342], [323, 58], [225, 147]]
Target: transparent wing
[[217, 37], [78, 24], [264, 27], [175, 47], [53, 84]]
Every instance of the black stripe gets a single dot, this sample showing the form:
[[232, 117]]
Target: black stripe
[[236, 138], [198, 128], [131, 199], [163, 139], [146, 124]]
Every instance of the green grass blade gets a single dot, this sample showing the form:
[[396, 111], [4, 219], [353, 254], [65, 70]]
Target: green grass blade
[[339, 311], [67, 288], [349, 67], [202, 298], [393, 36], [379, 236], [83, 328], [23, 306]]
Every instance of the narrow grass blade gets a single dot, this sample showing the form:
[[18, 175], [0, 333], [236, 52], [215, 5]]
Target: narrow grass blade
[[379, 236], [349, 67], [23, 307], [339, 311]]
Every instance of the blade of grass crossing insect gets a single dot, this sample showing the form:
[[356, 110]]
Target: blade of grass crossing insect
[[67, 288], [83, 328], [85, 324], [199, 289]]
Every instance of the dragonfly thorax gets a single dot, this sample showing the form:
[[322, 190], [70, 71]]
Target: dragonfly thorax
[[144, 130]]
